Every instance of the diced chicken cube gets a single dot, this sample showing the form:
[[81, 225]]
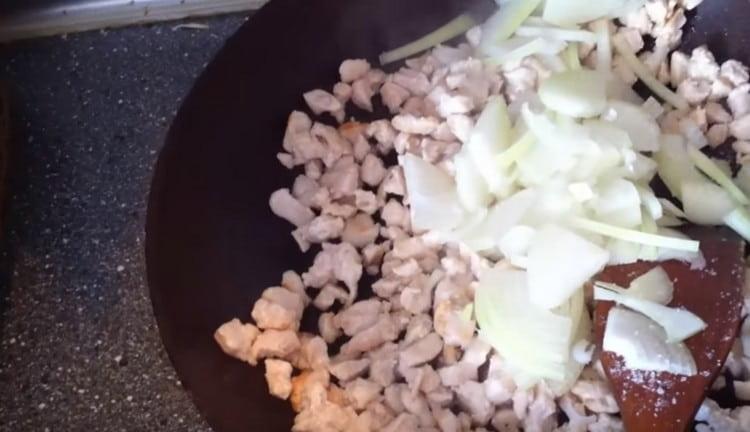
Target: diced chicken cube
[[385, 330], [342, 179], [404, 422], [678, 68], [735, 72], [717, 134], [279, 378], [324, 228], [715, 113], [327, 327], [349, 369], [362, 94], [415, 82], [285, 206], [446, 420], [461, 126], [416, 404], [740, 128], [422, 351], [703, 64], [365, 201], [236, 339], [360, 392], [596, 395], [720, 89], [359, 316], [373, 170], [393, 96], [309, 389], [274, 343], [395, 182], [329, 295], [415, 125], [739, 100], [279, 309], [353, 69], [286, 160], [335, 145], [321, 101], [695, 90], [505, 420], [471, 398]]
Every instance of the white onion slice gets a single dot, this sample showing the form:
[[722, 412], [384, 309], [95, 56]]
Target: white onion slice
[[679, 324], [705, 203], [713, 171], [432, 195], [454, 28], [660, 241], [503, 23], [575, 93], [643, 344], [557, 33], [643, 130]]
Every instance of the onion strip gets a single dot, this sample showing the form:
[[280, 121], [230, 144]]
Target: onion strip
[[454, 28], [517, 150], [557, 33], [709, 168], [635, 236], [603, 45], [622, 47]]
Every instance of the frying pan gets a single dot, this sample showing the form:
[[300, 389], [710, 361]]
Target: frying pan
[[212, 244]]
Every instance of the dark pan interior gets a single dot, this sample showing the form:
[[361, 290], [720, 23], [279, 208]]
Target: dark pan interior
[[212, 243]]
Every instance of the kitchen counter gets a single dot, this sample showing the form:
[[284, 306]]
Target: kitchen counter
[[79, 346]]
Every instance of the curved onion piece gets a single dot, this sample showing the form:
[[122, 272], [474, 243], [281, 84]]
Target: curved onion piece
[[705, 203], [643, 130], [489, 138], [503, 23], [432, 195], [575, 93], [455, 27]]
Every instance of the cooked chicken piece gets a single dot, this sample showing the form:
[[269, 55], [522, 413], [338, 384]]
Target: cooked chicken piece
[[383, 133], [739, 100], [434, 151], [717, 134], [471, 398], [373, 170], [286, 160], [443, 133], [421, 351], [393, 96], [372, 256], [446, 420], [678, 68], [321, 101], [376, 416], [342, 179], [505, 420], [670, 34], [541, 412], [386, 288], [335, 145], [343, 92], [304, 190], [411, 124], [338, 209], [365, 201], [638, 19], [327, 417], [393, 233], [359, 316], [449, 104], [327, 327], [274, 343], [360, 392], [298, 125], [416, 404], [426, 380], [279, 309], [404, 422], [394, 182], [349, 369], [451, 325], [578, 421], [416, 297], [279, 378], [324, 228], [720, 89], [406, 248], [703, 64], [606, 423], [385, 330], [236, 339], [293, 282], [415, 82], [328, 296], [360, 230], [309, 390], [499, 385], [340, 261], [376, 77], [519, 81], [419, 326], [313, 353], [461, 126], [735, 72], [395, 214], [717, 114], [740, 128], [353, 69], [695, 90], [633, 37], [596, 395], [299, 237], [314, 169], [285, 206], [392, 397], [362, 94], [407, 143], [383, 366]]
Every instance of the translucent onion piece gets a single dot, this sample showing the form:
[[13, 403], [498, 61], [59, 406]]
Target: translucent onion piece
[[619, 203], [489, 138], [603, 46], [643, 344], [654, 285], [623, 48], [454, 28], [560, 262], [516, 328], [515, 49], [742, 180], [471, 187], [506, 21], [715, 173], [679, 324], [572, 61], [660, 241], [674, 165], [739, 221], [567, 12], [557, 33], [643, 130], [516, 151], [432, 195], [705, 203], [575, 93]]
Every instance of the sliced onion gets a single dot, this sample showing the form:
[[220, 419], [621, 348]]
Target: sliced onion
[[517, 48], [713, 171], [432, 195], [634, 236], [643, 344], [557, 34], [567, 12], [490, 137], [471, 187], [705, 203], [506, 21], [643, 130], [603, 46], [560, 262], [454, 28], [575, 93], [739, 221], [618, 202], [679, 324], [674, 165]]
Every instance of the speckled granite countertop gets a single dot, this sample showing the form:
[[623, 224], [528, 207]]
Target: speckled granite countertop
[[79, 347]]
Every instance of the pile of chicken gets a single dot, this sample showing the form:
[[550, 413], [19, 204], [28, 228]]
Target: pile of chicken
[[409, 357]]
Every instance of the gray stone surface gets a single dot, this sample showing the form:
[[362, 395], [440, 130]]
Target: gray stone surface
[[79, 347]]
